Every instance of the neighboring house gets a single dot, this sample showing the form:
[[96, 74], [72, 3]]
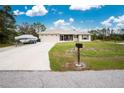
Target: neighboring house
[[63, 35]]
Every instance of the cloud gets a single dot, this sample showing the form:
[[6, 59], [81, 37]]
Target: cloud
[[38, 10], [73, 27], [51, 28], [71, 20], [84, 7], [60, 22], [55, 11], [17, 12], [120, 25], [114, 22], [119, 21], [108, 22]]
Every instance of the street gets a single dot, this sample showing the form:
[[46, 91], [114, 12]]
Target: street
[[74, 79]]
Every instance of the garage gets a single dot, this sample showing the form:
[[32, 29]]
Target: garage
[[49, 38]]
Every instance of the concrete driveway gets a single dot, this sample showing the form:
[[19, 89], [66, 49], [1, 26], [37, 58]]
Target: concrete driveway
[[28, 57]]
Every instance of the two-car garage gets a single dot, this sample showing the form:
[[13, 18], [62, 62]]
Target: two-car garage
[[49, 38]]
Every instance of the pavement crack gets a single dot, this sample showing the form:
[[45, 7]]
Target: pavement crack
[[42, 82]]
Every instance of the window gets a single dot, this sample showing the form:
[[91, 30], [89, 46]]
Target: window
[[85, 37]]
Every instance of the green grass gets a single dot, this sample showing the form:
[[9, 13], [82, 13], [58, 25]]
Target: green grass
[[97, 55], [5, 45]]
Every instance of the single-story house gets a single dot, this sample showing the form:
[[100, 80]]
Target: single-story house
[[64, 35]]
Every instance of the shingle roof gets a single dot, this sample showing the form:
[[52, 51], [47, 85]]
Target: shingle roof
[[59, 31]]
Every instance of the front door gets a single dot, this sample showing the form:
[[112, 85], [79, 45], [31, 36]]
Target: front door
[[76, 38]]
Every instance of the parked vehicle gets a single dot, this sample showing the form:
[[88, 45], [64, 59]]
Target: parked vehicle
[[27, 39]]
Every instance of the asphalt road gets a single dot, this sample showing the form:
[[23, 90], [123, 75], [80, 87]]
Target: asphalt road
[[47, 79]]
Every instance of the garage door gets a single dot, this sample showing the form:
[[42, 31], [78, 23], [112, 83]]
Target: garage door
[[49, 38]]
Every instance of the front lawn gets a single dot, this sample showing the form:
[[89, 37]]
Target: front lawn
[[97, 55]]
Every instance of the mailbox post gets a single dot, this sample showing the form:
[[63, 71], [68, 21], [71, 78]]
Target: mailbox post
[[78, 45]]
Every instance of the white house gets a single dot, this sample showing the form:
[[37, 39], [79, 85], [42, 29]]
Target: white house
[[63, 35]]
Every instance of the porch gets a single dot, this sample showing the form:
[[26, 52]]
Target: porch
[[69, 37]]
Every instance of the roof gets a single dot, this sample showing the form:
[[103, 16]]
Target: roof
[[26, 36], [59, 31]]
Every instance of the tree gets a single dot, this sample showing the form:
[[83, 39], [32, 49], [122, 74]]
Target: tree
[[7, 24], [103, 33], [33, 29], [23, 28], [26, 28], [122, 31], [94, 34], [39, 27]]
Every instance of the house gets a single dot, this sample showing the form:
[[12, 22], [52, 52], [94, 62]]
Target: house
[[63, 35]]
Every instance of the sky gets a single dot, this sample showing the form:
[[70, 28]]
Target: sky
[[71, 17]]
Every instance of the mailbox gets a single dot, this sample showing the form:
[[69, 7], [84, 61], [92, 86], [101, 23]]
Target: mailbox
[[79, 45]]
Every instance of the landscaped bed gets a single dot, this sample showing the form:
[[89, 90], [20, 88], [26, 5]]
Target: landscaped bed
[[97, 55]]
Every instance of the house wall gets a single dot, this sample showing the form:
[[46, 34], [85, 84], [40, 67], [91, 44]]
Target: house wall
[[56, 38], [75, 38], [49, 38]]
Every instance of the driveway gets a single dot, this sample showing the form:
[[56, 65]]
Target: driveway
[[28, 57]]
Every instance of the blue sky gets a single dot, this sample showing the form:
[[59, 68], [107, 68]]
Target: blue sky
[[65, 16]]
